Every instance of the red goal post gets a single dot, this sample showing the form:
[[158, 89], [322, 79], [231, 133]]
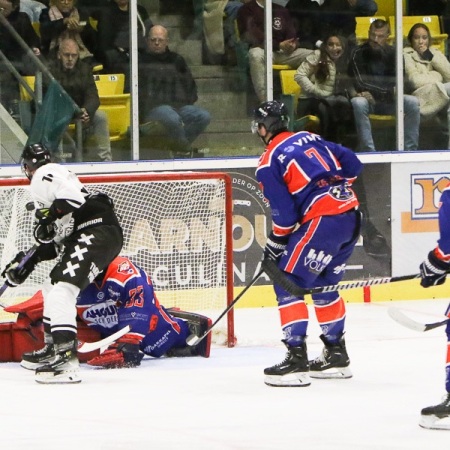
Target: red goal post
[[177, 226]]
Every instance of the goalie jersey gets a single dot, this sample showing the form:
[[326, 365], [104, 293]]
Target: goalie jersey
[[306, 177], [124, 295]]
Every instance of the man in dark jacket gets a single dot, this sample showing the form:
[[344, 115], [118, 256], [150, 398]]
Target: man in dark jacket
[[372, 67], [169, 92], [75, 76]]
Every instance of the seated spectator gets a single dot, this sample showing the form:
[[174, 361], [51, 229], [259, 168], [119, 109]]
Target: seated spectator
[[372, 67], [324, 88], [115, 41], [250, 19], [75, 76], [427, 74], [64, 20], [20, 21], [168, 93], [32, 8]]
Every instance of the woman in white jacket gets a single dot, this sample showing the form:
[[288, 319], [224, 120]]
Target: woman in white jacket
[[324, 82], [427, 74]]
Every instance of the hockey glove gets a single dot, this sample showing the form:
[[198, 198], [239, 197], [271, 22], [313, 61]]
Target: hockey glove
[[15, 276], [275, 247], [118, 355], [433, 271], [44, 232]]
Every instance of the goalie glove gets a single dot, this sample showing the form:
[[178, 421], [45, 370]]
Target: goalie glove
[[124, 353], [433, 271], [275, 246], [15, 276]]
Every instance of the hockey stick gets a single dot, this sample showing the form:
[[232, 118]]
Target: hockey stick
[[278, 277], [194, 340], [25, 259], [87, 347], [401, 318]]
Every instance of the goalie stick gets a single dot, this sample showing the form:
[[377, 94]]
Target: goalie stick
[[278, 277], [25, 259], [87, 347], [194, 340], [401, 318]]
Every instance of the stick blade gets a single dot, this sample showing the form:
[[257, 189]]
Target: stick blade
[[87, 347], [401, 318]]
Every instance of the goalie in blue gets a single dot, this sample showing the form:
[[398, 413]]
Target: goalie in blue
[[122, 295]]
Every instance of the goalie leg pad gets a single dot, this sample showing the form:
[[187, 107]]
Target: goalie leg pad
[[198, 324]]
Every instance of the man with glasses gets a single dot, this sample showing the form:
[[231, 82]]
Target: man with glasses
[[168, 95]]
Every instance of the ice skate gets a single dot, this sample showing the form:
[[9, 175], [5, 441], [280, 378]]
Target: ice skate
[[63, 368], [333, 362], [38, 358], [292, 371], [436, 417]]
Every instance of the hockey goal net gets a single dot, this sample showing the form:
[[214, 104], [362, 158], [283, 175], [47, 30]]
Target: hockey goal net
[[177, 226]]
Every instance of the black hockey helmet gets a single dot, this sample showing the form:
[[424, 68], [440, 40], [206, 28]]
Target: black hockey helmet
[[33, 157], [273, 115]]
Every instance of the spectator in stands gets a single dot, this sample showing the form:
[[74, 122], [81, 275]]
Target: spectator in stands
[[115, 41], [64, 20], [32, 8], [324, 88], [427, 74], [372, 67], [75, 76], [13, 51], [250, 20], [168, 93]]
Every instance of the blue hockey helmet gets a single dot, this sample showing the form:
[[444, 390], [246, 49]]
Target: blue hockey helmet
[[273, 115]]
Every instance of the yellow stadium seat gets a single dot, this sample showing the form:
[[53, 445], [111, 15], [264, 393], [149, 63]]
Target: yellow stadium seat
[[439, 39], [290, 93], [118, 109], [110, 84], [37, 28]]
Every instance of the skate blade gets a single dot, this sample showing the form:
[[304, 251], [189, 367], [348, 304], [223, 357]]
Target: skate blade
[[299, 379], [57, 378], [435, 423], [332, 373], [31, 366]]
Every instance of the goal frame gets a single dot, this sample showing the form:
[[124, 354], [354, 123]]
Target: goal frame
[[135, 177]]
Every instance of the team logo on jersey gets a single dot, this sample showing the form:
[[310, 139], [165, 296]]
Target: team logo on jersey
[[316, 262], [124, 267], [103, 314]]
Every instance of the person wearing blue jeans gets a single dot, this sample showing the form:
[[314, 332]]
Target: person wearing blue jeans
[[372, 69], [168, 93]]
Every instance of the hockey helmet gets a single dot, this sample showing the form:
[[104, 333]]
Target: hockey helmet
[[33, 157], [273, 115]]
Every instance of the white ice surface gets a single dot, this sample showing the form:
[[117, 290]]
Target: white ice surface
[[222, 403]]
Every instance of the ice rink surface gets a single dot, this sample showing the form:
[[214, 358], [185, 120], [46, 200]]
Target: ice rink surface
[[222, 403]]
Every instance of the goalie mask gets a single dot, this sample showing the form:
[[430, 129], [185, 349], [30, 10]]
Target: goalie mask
[[33, 157], [273, 115]]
